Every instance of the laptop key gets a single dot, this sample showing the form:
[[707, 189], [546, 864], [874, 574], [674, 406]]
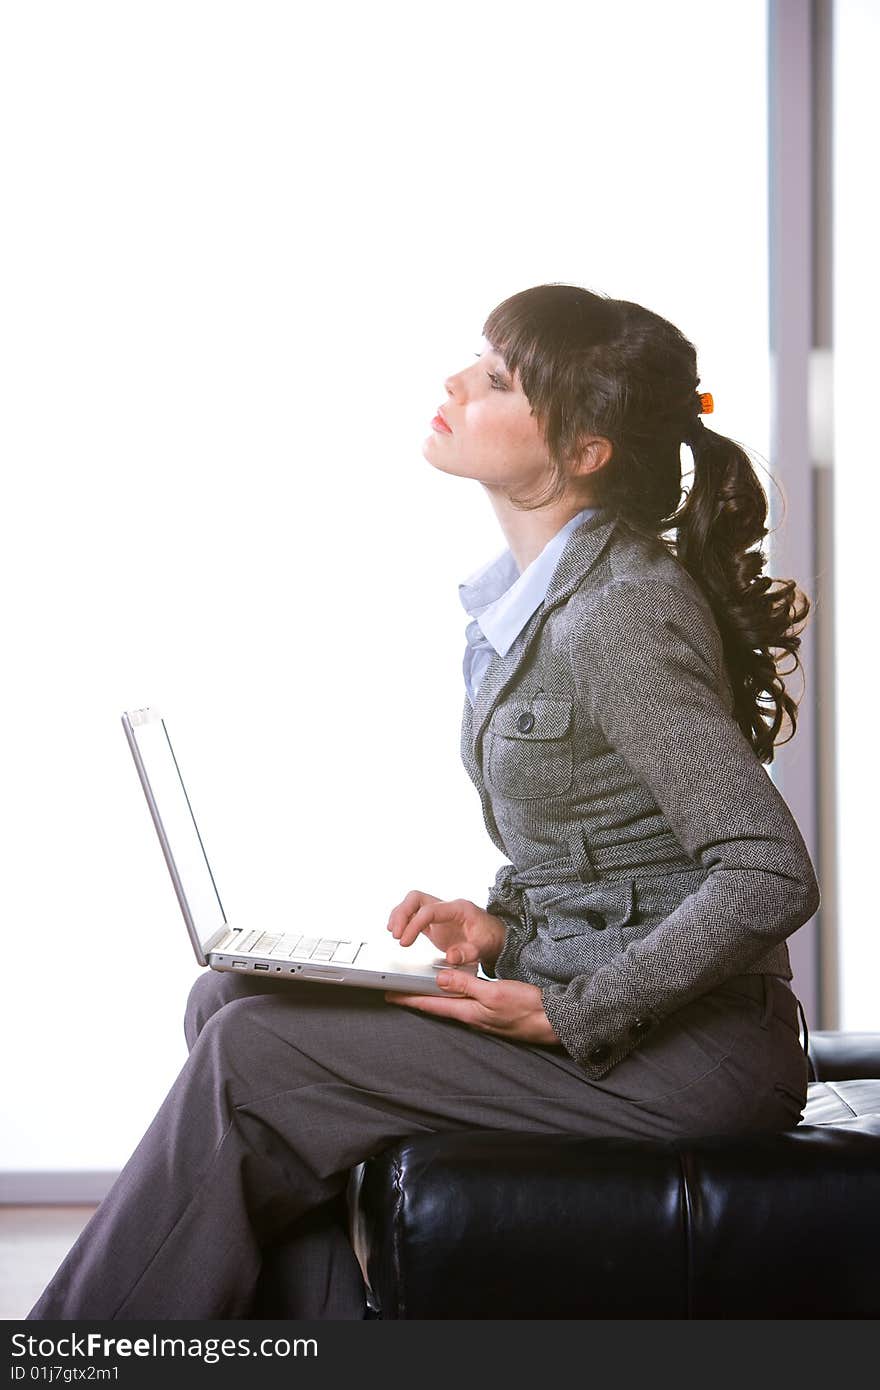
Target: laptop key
[[324, 950], [248, 941], [264, 943], [307, 945], [286, 945], [346, 951]]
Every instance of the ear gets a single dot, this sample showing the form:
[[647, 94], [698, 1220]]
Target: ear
[[592, 453]]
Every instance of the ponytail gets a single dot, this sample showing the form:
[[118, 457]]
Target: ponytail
[[721, 520]]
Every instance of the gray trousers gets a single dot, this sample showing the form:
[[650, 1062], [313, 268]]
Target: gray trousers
[[237, 1188]]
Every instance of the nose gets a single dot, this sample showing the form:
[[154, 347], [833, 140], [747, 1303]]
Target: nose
[[452, 384]]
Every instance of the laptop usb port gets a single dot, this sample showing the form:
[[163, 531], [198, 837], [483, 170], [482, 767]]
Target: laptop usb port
[[240, 964], [260, 967]]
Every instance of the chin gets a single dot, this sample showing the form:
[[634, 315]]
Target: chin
[[430, 452], [438, 458]]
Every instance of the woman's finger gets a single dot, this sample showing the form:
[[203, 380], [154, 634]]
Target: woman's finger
[[463, 954], [400, 915], [460, 983], [465, 1010], [437, 911]]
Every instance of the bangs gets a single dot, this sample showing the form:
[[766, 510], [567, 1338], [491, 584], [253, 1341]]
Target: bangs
[[546, 326], [548, 336]]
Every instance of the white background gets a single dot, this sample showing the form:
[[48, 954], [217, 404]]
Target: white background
[[243, 246]]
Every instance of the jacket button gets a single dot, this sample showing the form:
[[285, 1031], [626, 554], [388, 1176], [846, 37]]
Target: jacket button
[[600, 1053], [596, 920], [526, 722], [639, 1026]]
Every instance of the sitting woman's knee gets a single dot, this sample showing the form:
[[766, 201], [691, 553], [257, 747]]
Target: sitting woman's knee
[[213, 989], [209, 993]]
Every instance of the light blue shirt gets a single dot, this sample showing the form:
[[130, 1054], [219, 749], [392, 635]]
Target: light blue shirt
[[500, 601]]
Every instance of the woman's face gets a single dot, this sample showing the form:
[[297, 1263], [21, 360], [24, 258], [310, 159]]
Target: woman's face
[[491, 434]]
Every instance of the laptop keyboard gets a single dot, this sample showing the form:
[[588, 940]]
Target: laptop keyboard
[[297, 944]]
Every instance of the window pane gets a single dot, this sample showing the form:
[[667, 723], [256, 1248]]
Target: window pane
[[856, 498], [249, 244]]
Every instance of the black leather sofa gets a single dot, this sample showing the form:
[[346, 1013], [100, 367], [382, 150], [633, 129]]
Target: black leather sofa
[[770, 1225]]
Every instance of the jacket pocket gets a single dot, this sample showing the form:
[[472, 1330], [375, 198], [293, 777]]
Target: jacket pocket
[[579, 927], [529, 753]]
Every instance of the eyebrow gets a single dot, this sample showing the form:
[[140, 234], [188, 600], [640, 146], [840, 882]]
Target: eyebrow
[[498, 354]]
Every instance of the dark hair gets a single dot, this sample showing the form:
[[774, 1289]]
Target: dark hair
[[593, 365]]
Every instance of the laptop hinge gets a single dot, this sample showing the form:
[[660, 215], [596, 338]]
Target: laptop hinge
[[224, 936]]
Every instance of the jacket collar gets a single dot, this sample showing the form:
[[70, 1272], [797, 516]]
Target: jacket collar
[[502, 600], [584, 546]]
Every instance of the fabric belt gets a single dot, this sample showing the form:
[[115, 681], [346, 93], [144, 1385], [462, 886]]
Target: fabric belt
[[510, 881], [507, 894]]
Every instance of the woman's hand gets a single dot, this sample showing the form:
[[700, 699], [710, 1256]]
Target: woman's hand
[[459, 928], [508, 1008]]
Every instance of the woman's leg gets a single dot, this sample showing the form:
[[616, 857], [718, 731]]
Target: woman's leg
[[215, 1178], [311, 1272], [289, 1086]]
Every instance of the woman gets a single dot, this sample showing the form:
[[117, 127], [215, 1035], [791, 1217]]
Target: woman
[[621, 697]]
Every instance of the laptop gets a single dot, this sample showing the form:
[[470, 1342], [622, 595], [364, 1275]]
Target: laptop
[[341, 955]]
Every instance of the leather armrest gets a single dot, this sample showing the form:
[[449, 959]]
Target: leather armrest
[[840, 1056]]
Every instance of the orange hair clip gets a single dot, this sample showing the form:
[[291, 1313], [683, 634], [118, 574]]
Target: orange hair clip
[[707, 405]]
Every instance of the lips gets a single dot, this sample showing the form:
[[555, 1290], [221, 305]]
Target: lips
[[439, 423]]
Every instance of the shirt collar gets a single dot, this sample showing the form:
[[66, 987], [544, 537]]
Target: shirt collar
[[502, 599]]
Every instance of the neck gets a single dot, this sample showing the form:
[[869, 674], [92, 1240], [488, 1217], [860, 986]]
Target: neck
[[527, 533]]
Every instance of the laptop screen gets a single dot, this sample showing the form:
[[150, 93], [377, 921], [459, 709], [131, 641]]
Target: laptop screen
[[175, 823]]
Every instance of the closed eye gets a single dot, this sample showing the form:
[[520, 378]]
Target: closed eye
[[498, 383]]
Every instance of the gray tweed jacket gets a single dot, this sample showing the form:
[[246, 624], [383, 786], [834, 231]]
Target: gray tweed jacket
[[651, 855]]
